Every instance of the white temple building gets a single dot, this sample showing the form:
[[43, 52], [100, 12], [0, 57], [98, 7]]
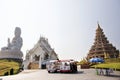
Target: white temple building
[[39, 55]]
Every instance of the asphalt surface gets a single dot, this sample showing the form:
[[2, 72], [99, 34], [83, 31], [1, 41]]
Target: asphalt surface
[[83, 74]]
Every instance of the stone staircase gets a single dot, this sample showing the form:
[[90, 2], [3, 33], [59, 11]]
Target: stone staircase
[[33, 65]]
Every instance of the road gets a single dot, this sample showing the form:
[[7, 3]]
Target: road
[[83, 74]]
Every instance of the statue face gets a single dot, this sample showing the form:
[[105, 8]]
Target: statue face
[[17, 32]]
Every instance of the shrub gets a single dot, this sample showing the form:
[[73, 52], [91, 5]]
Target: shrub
[[11, 71], [6, 73]]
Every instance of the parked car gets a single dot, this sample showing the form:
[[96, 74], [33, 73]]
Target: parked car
[[52, 66], [61, 66]]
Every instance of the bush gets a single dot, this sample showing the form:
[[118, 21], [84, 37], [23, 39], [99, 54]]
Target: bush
[[6, 74], [11, 71]]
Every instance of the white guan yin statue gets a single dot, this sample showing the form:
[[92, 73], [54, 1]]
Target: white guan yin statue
[[13, 49]]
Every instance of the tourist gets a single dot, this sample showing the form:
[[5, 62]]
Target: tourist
[[111, 70], [101, 71], [107, 71], [97, 71]]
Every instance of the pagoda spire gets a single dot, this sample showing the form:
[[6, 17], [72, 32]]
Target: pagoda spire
[[99, 29], [98, 24]]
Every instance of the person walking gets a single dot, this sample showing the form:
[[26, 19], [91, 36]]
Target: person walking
[[107, 71], [101, 71]]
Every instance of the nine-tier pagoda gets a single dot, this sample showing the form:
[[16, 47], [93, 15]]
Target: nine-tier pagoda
[[101, 47]]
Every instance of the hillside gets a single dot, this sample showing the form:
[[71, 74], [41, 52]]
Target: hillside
[[6, 65]]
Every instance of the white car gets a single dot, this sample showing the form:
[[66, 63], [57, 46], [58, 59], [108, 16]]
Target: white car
[[61, 66], [52, 66]]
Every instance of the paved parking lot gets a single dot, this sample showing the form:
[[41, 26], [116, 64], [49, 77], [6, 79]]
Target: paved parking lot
[[83, 74]]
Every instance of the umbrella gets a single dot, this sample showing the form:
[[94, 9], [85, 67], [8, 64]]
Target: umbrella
[[96, 60]]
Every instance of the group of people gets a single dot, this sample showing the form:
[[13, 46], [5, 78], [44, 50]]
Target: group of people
[[105, 71]]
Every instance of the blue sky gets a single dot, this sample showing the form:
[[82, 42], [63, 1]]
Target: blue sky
[[69, 25]]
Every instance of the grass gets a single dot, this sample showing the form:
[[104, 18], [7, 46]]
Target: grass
[[6, 65], [115, 66], [112, 60], [113, 63]]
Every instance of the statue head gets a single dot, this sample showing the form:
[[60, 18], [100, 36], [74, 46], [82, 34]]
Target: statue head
[[17, 32]]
